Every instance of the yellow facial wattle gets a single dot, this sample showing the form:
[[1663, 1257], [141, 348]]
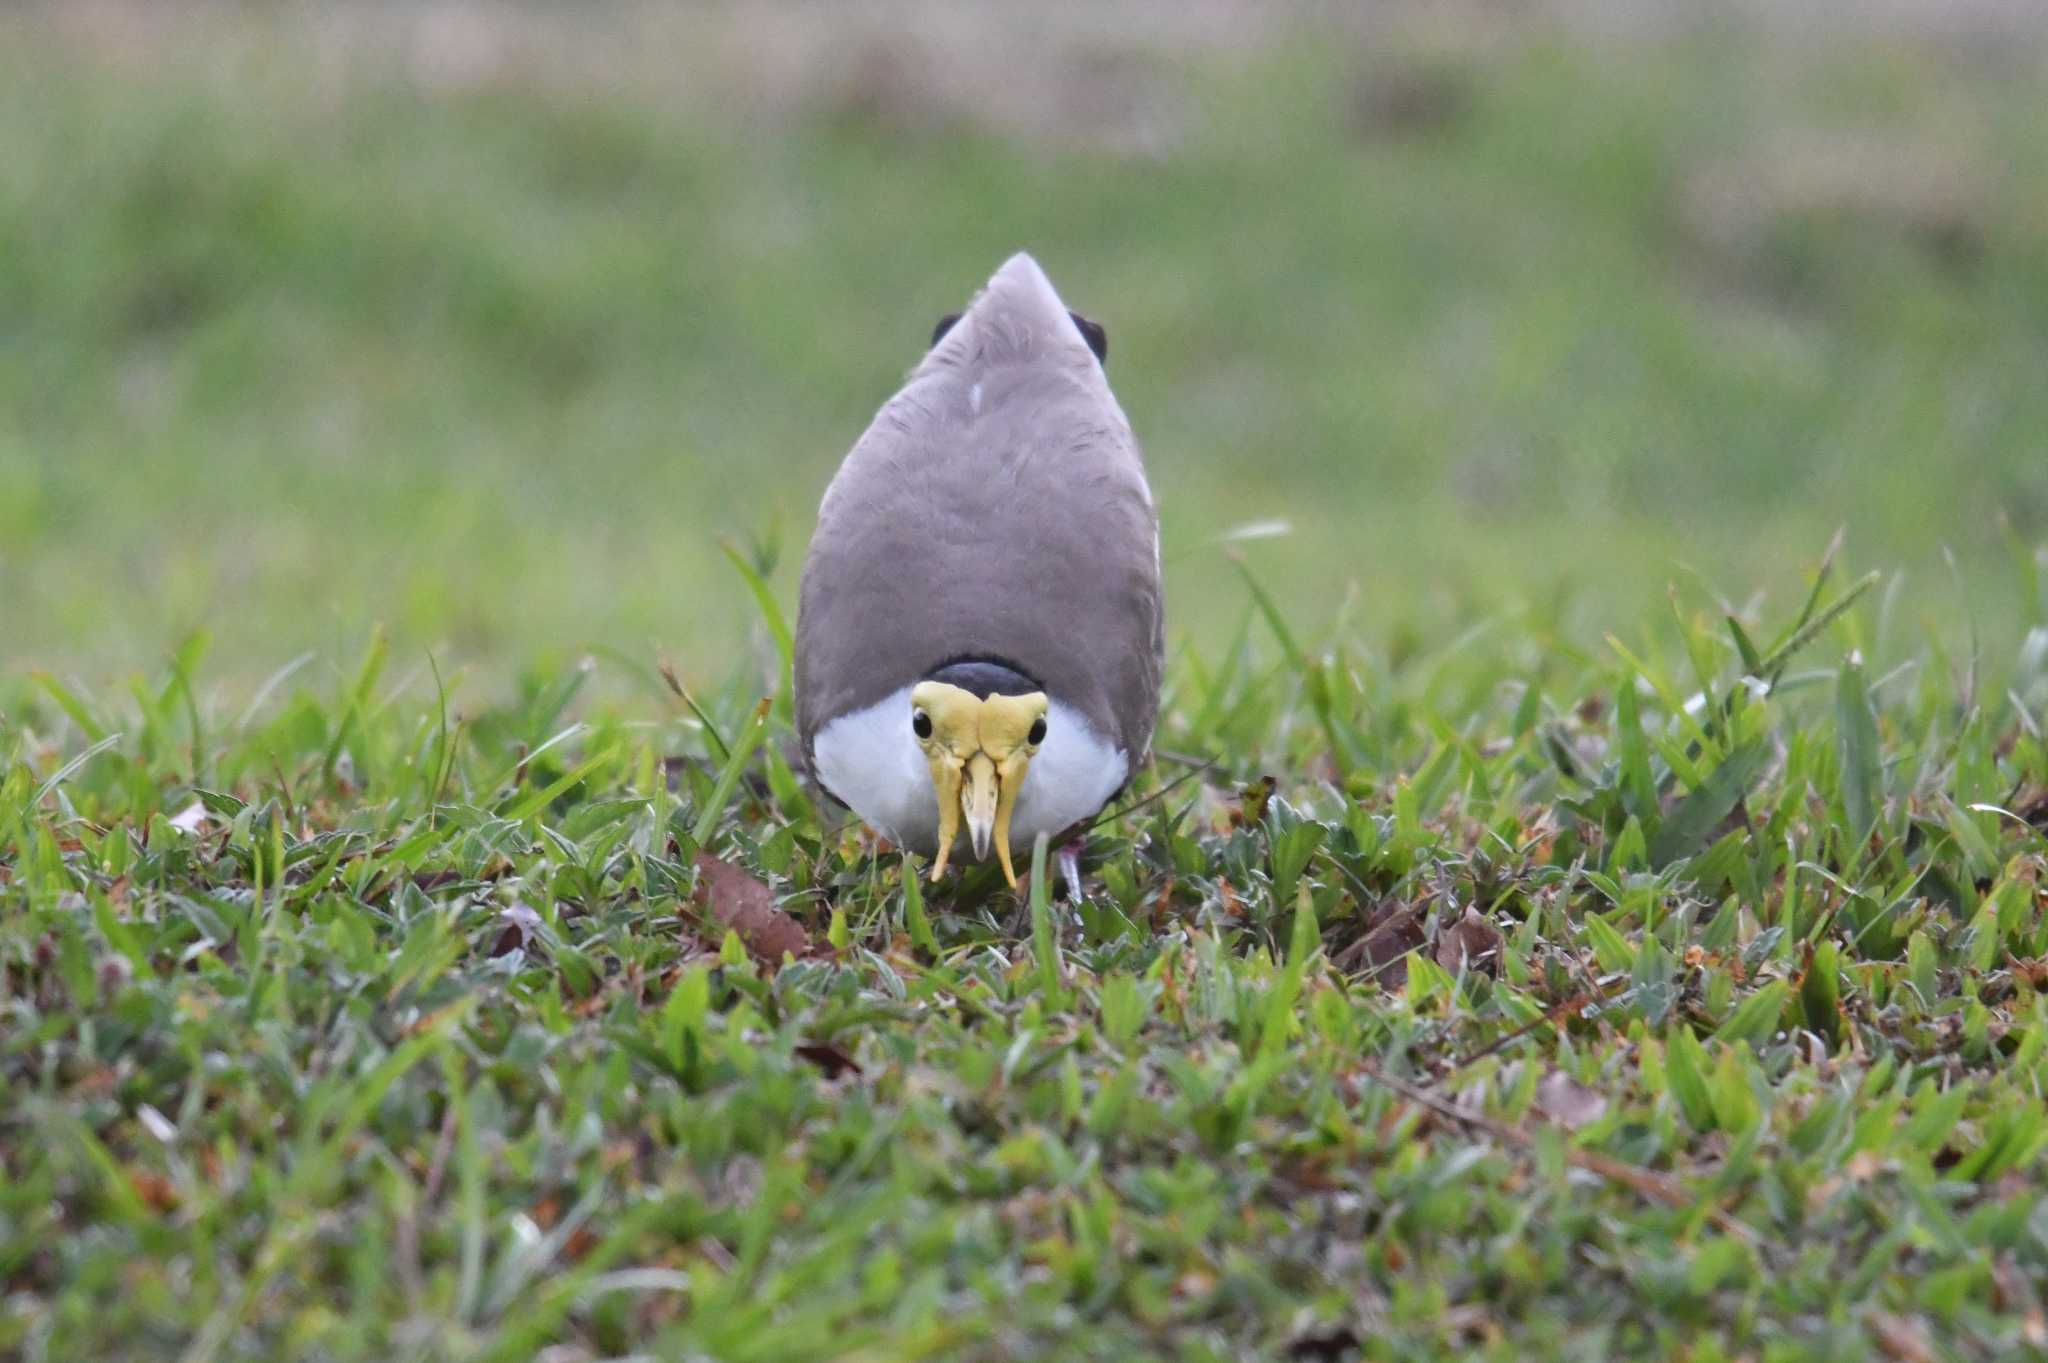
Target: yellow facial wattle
[[978, 751]]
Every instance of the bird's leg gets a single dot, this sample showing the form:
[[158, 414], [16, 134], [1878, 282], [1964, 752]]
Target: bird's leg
[[1068, 858]]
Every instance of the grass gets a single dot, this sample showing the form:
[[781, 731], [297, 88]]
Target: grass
[[1682, 997]]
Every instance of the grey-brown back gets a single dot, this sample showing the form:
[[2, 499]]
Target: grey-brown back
[[996, 507]]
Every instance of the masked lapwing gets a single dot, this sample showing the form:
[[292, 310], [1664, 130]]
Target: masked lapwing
[[979, 630]]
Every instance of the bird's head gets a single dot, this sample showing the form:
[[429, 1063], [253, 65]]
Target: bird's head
[[978, 749]]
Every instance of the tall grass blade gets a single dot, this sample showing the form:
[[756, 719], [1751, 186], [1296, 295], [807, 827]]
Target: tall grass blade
[[749, 737], [1782, 654], [778, 626], [1045, 933], [1862, 764]]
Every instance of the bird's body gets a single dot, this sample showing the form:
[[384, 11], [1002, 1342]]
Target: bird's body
[[990, 535]]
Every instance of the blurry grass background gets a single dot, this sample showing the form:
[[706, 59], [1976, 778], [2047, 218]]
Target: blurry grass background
[[488, 322]]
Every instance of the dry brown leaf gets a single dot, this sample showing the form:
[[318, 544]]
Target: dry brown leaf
[[1901, 1337], [2009, 1290], [1473, 943], [1394, 930], [2033, 970], [740, 902], [828, 1058], [153, 1188]]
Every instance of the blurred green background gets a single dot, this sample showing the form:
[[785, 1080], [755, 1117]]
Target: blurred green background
[[487, 323]]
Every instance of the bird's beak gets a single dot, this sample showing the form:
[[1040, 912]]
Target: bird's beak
[[1008, 779], [980, 803], [946, 784]]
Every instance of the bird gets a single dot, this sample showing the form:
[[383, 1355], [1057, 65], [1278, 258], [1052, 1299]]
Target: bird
[[980, 621]]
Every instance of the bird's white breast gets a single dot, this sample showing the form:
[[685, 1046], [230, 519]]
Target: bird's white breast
[[870, 759]]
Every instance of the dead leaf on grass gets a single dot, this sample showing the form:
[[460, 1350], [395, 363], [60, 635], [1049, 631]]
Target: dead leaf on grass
[[1473, 942], [2009, 1290], [1901, 1337], [1394, 931], [154, 1189], [828, 1058], [740, 902]]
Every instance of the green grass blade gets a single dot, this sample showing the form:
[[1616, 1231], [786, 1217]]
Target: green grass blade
[[1045, 934], [1275, 621], [1862, 765], [1691, 824], [63, 774], [1752, 661], [749, 737], [73, 705], [1781, 655], [915, 922], [778, 626], [357, 702]]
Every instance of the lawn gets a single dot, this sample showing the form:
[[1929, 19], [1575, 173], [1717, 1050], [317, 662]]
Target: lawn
[[1676, 1002], [1575, 912]]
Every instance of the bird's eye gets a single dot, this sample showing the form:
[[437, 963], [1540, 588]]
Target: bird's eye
[[1037, 734], [920, 724]]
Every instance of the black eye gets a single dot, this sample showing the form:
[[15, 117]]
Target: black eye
[[1037, 734], [920, 724]]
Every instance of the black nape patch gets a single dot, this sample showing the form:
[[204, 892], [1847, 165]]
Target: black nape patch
[[984, 677], [1094, 335], [1091, 332]]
